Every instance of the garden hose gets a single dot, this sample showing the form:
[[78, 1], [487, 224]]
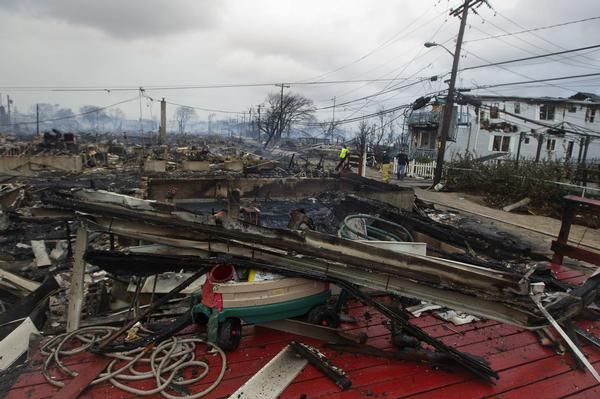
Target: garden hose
[[373, 233], [167, 361]]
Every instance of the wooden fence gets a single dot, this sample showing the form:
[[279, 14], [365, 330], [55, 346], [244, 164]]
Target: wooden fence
[[422, 170]]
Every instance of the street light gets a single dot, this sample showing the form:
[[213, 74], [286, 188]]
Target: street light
[[448, 108], [434, 44]]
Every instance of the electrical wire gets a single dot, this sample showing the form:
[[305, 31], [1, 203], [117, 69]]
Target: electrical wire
[[534, 81], [539, 28], [529, 58], [385, 44]]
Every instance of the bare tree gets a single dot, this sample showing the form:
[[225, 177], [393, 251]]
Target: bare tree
[[280, 116], [93, 115], [183, 115], [117, 117], [66, 119], [363, 137]]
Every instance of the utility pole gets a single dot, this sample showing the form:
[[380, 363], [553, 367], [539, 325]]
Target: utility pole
[[280, 127], [162, 135], [258, 123], [141, 120], [463, 11], [333, 120], [250, 125], [37, 119], [8, 102]]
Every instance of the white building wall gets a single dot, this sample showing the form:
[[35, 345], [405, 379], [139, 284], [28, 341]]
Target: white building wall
[[479, 141]]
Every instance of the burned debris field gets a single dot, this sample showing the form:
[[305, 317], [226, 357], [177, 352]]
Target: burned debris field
[[121, 280], [299, 199]]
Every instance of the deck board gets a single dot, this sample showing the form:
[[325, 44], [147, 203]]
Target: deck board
[[526, 368]]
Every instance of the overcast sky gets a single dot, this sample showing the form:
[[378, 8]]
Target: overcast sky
[[127, 43]]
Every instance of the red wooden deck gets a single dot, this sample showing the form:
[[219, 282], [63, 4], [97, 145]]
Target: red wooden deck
[[526, 369]]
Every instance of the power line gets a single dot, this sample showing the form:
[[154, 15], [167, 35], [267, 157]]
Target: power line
[[384, 44], [204, 109], [362, 117], [395, 88], [530, 58], [548, 126], [534, 81], [98, 109], [189, 87], [565, 60], [532, 29]]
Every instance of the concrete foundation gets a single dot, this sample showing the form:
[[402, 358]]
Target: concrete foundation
[[28, 164], [155, 165], [197, 166]]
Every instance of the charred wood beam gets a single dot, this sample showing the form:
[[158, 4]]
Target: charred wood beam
[[477, 302], [324, 365], [435, 271], [131, 264]]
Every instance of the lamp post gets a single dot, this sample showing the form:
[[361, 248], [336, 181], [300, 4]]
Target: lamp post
[[434, 44]]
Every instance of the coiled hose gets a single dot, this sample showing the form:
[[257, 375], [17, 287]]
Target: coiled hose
[[373, 233], [167, 361]]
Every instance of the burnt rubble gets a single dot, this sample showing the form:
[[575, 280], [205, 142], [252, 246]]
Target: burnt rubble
[[139, 236]]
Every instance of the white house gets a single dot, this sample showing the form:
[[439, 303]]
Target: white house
[[566, 129]]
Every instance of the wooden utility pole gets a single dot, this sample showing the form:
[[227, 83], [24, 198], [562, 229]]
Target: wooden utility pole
[[280, 127], [463, 11], [258, 125], [332, 120], [8, 102], [162, 135]]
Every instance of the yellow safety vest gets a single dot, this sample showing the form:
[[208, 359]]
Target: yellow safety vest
[[343, 153]]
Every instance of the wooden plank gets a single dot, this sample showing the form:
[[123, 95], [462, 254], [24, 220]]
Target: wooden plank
[[272, 379], [41, 254], [556, 387], [510, 379], [77, 275], [16, 343], [591, 393], [570, 251], [395, 380], [75, 386]]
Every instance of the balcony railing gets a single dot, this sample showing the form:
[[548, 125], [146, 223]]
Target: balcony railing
[[433, 118], [424, 118]]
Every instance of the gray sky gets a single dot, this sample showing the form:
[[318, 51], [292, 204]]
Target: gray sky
[[127, 43]]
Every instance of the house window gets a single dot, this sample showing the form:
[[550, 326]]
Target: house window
[[426, 140], [482, 115], [517, 108], [572, 108], [569, 151], [551, 144], [501, 143], [547, 112], [526, 140], [494, 111], [590, 115]]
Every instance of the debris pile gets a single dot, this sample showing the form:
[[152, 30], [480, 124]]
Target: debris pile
[[153, 261]]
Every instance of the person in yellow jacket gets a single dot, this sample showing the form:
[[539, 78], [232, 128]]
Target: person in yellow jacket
[[343, 156], [385, 167]]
